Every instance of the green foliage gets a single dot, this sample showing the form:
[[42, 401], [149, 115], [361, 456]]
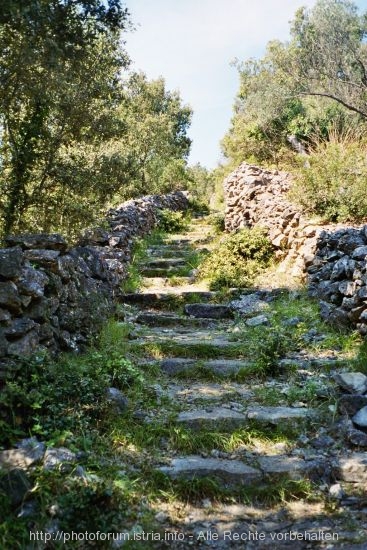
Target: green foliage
[[69, 395], [302, 88], [76, 132], [334, 183], [218, 222], [156, 143], [237, 259], [200, 183], [171, 221]]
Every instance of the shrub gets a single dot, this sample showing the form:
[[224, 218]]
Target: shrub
[[238, 259], [334, 184], [217, 220], [171, 221]]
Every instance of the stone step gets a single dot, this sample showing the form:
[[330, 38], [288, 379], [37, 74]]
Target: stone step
[[219, 367], [161, 271], [275, 466], [174, 242], [235, 473], [181, 340], [229, 472], [154, 298], [209, 391], [280, 415], [166, 263], [218, 418], [154, 319], [225, 418], [209, 311]]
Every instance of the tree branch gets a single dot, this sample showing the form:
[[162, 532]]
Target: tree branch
[[330, 96]]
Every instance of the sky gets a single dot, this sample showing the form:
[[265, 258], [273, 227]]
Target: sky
[[191, 43]]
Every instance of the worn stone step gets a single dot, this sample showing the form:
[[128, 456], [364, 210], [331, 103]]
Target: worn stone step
[[174, 242], [161, 271], [184, 343], [279, 415], [153, 298], [217, 418], [219, 367], [210, 311], [292, 467], [229, 472], [209, 391], [154, 319], [166, 263], [235, 473]]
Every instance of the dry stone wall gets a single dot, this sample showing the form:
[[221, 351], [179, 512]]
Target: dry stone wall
[[331, 257], [53, 296]]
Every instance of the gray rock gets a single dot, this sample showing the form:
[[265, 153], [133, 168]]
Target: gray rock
[[44, 258], [117, 399], [359, 253], [336, 491], [353, 382], [38, 240], [249, 304], [322, 442], [24, 346], [352, 468], [292, 467], [28, 452], [19, 327], [9, 298], [257, 321], [351, 404], [231, 472], [58, 458], [10, 262], [360, 418], [217, 417], [356, 437], [32, 282], [277, 415], [208, 311]]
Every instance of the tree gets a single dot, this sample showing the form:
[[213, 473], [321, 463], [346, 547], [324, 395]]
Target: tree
[[302, 89], [327, 56], [157, 142], [59, 70]]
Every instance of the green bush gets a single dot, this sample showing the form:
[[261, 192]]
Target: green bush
[[172, 222], [218, 222], [238, 259], [49, 397], [334, 183]]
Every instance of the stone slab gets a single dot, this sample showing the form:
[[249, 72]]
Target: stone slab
[[291, 466], [217, 418], [230, 472], [211, 311], [276, 415], [220, 367]]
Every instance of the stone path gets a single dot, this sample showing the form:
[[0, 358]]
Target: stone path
[[202, 368]]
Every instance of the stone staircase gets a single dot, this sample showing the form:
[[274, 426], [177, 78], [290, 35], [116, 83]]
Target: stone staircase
[[202, 366]]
